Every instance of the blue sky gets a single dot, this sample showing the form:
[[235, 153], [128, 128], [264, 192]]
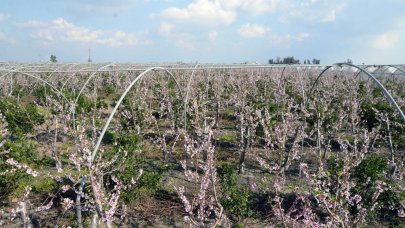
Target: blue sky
[[207, 31]]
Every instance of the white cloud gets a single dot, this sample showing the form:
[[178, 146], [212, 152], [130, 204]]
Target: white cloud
[[260, 31], [253, 30], [65, 31], [254, 7], [387, 40], [219, 12], [401, 23], [204, 12], [4, 16], [313, 10], [212, 36], [32, 24], [287, 40], [386, 47], [257, 7], [182, 40], [329, 16], [391, 38], [6, 38], [90, 8], [165, 29], [302, 36], [73, 33], [44, 34], [224, 12]]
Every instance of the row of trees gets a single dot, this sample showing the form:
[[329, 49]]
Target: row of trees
[[292, 60]]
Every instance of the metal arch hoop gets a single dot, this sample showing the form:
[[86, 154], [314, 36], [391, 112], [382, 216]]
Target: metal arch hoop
[[378, 68], [376, 81], [9, 71], [397, 68], [365, 69], [316, 81], [38, 78], [87, 82], [386, 68], [140, 76], [71, 65], [112, 64], [71, 75], [81, 91]]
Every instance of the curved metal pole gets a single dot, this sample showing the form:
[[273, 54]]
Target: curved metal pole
[[112, 64], [57, 70], [11, 81], [386, 68], [87, 82], [51, 73], [376, 81], [378, 67], [9, 71], [316, 81], [42, 80], [397, 68], [140, 76], [71, 75], [18, 70], [81, 90]]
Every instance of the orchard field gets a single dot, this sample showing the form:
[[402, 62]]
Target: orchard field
[[124, 145]]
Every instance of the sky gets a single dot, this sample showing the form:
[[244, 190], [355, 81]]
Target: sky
[[204, 31]]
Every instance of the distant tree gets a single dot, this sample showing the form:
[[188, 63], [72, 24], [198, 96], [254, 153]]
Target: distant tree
[[291, 60], [53, 58]]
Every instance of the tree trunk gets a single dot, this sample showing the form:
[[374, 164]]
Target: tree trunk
[[245, 148], [79, 219], [392, 161], [95, 221], [217, 115], [24, 215]]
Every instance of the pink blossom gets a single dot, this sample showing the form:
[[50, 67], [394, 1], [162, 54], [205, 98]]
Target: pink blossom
[[44, 207], [180, 192], [67, 204], [27, 169]]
